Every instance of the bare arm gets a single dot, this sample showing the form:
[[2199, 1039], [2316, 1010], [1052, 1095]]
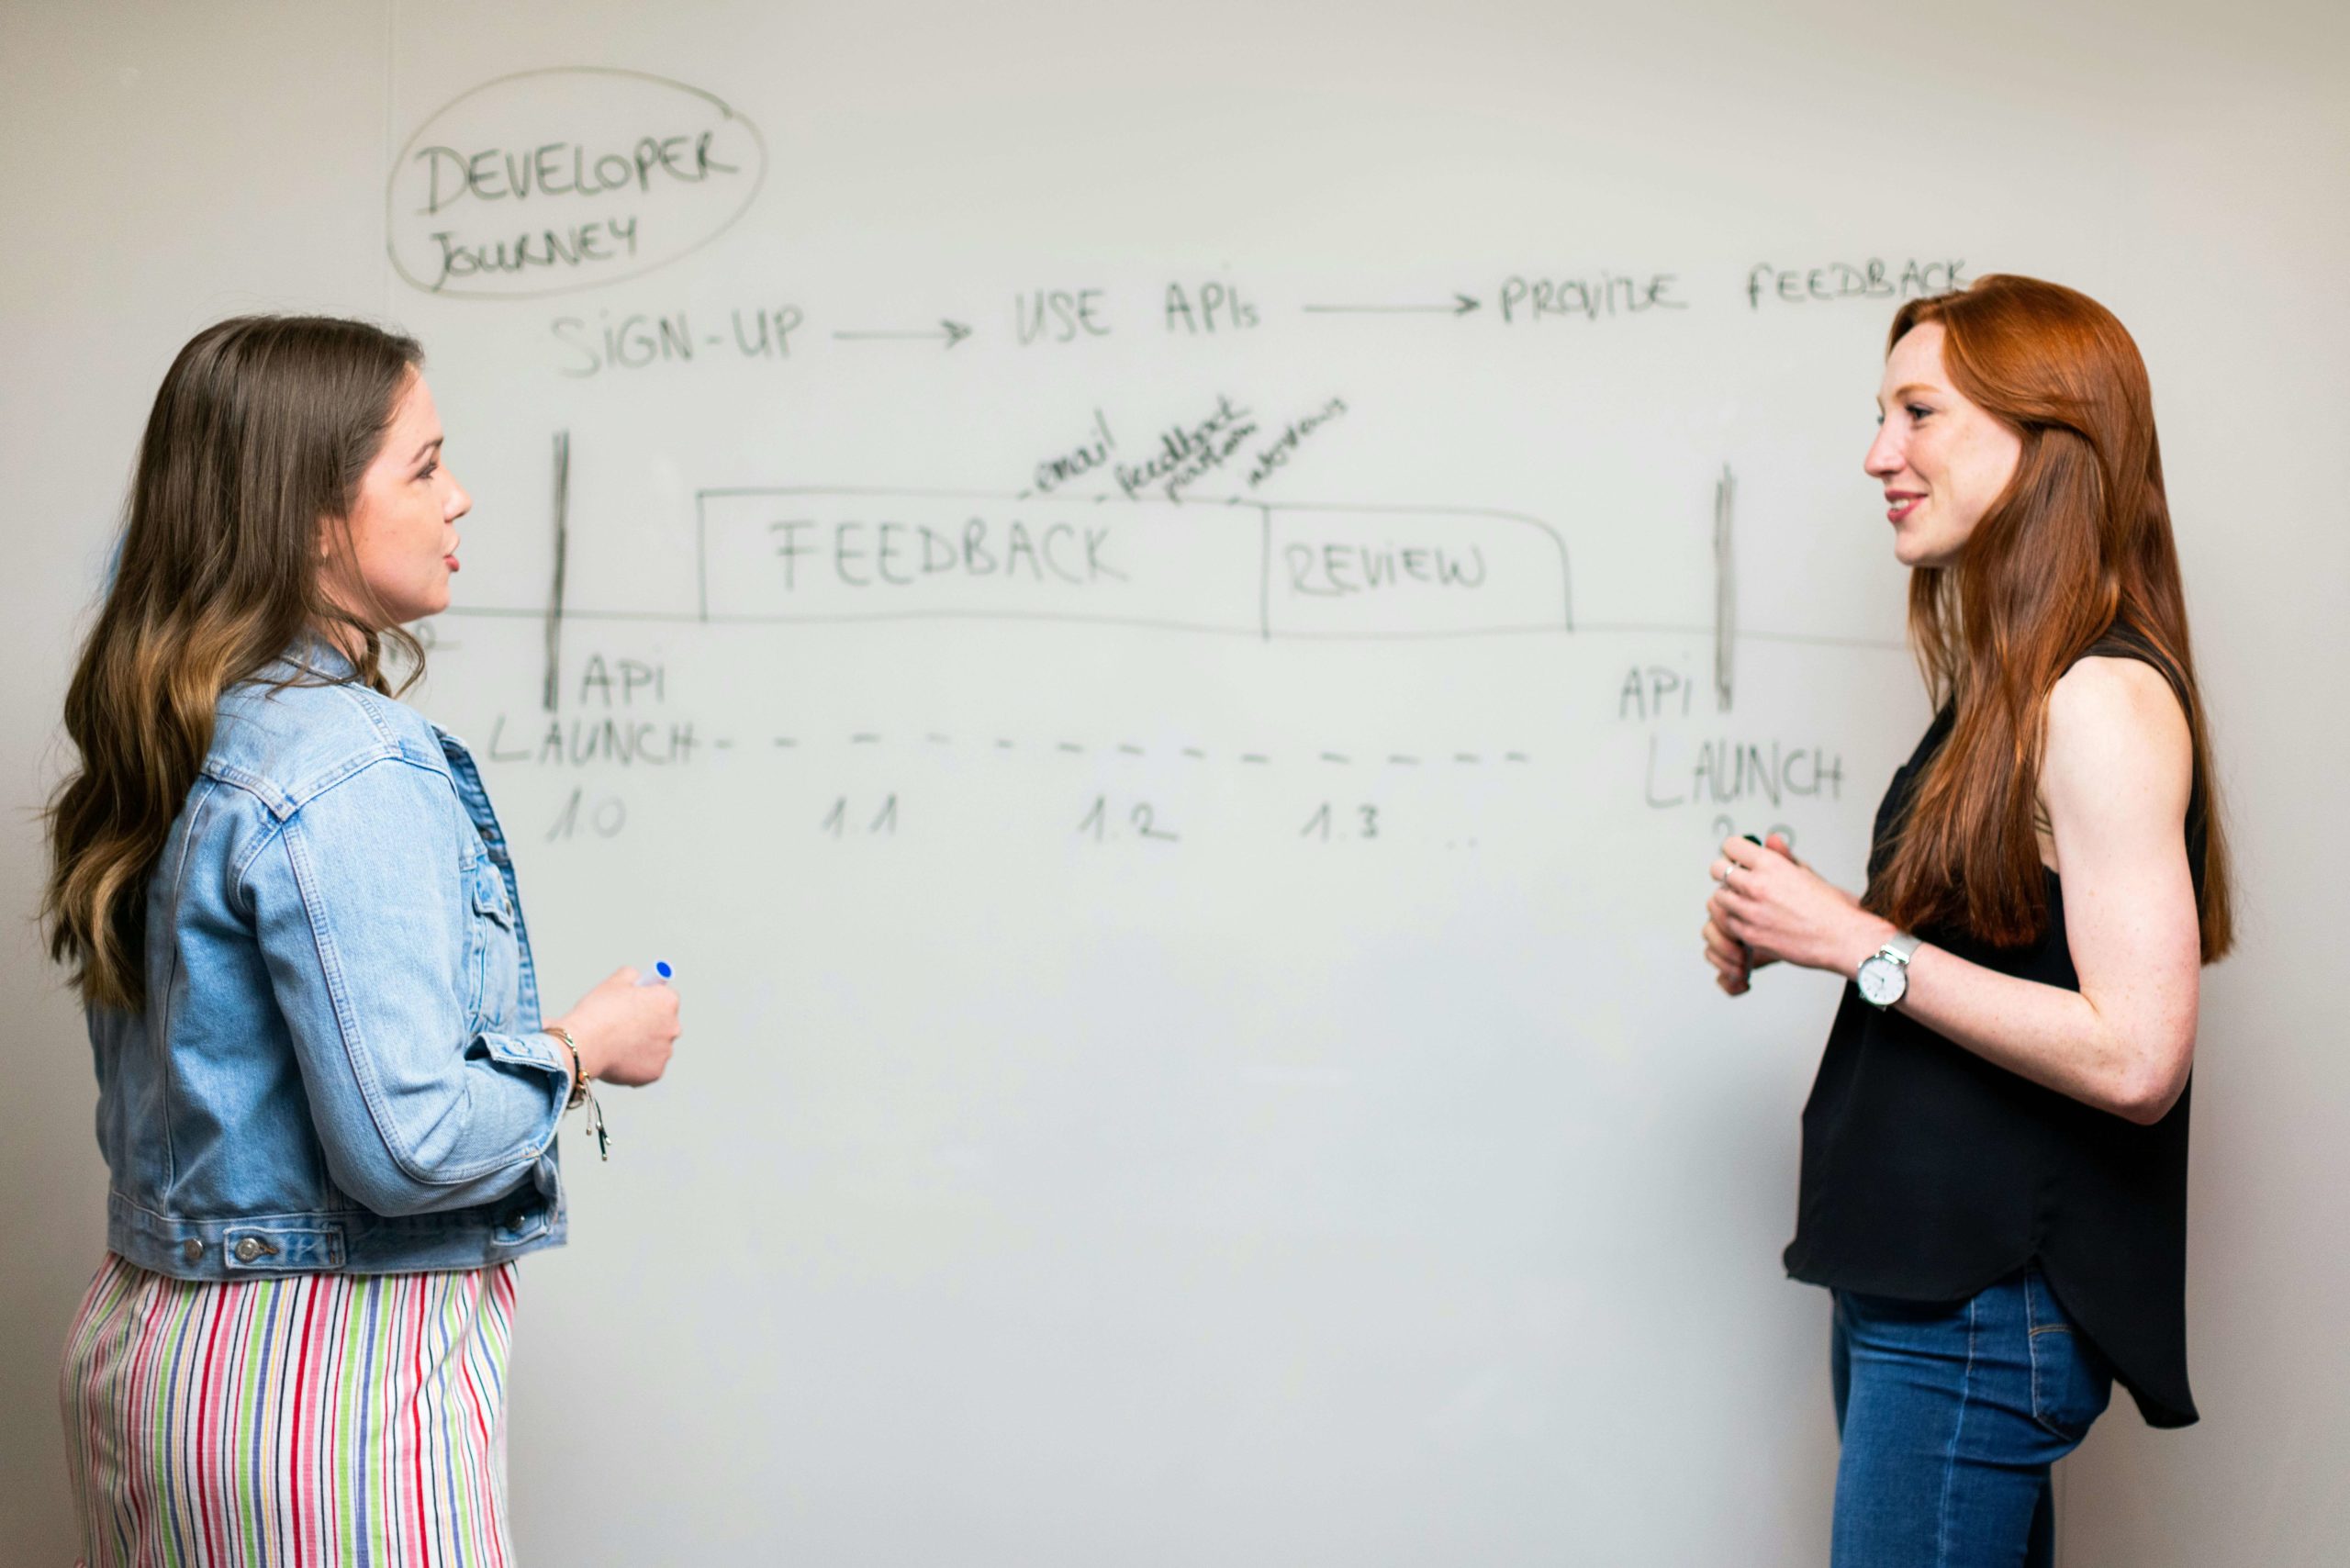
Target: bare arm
[[2116, 772]]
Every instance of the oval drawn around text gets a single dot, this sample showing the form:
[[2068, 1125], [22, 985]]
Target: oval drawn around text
[[549, 181]]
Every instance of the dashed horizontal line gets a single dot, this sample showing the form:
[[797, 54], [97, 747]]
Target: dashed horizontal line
[[1129, 748]]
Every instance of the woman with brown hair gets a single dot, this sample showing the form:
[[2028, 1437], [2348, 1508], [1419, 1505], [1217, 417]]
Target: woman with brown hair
[[1994, 1178], [326, 1098]]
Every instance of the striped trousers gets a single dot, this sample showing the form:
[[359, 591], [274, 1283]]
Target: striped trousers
[[300, 1419]]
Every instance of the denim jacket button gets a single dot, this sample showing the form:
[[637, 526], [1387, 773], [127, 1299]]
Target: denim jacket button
[[370, 787]]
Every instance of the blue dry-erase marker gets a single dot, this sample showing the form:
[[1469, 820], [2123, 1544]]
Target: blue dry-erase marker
[[657, 975]]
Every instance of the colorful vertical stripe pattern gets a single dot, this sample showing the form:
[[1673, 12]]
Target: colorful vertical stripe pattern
[[308, 1420]]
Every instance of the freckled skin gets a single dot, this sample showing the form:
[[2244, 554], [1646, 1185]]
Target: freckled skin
[[1940, 456], [2124, 1041]]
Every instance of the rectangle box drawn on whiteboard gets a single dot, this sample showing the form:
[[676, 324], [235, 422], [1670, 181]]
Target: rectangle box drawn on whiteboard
[[814, 554]]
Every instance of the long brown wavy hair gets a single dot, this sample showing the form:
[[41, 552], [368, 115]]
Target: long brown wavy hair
[[239, 513], [2078, 543]]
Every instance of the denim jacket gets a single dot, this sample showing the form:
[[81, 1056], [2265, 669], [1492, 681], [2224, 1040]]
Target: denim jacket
[[339, 1066]]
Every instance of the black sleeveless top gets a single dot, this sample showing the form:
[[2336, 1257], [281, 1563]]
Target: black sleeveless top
[[1928, 1173]]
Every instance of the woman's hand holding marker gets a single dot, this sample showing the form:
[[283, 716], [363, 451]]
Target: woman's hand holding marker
[[1769, 906], [626, 1027]]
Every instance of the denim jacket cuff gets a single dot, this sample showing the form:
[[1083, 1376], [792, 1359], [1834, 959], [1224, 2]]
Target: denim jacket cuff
[[527, 1050]]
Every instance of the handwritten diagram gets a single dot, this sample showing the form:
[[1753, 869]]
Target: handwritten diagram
[[1203, 518], [804, 552]]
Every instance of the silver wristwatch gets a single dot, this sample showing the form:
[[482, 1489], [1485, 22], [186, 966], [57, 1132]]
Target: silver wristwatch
[[1885, 974]]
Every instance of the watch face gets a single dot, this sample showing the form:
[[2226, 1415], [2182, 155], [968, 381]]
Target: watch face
[[1882, 981]]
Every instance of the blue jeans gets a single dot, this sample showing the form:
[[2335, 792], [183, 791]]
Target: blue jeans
[[1951, 1414]]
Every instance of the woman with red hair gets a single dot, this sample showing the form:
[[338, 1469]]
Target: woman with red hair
[[1994, 1178]]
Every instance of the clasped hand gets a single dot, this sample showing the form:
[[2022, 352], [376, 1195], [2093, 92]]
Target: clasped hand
[[1769, 907]]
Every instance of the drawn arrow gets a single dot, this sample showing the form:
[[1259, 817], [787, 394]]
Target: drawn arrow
[[953, 332], [1461, 304]]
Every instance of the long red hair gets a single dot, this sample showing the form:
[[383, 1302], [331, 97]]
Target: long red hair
[[2078, 543]]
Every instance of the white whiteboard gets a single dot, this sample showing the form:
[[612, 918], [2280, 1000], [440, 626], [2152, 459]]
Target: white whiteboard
[[1159, 615]]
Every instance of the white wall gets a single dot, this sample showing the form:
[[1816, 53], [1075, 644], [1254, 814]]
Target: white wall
[[1025, 1197]]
